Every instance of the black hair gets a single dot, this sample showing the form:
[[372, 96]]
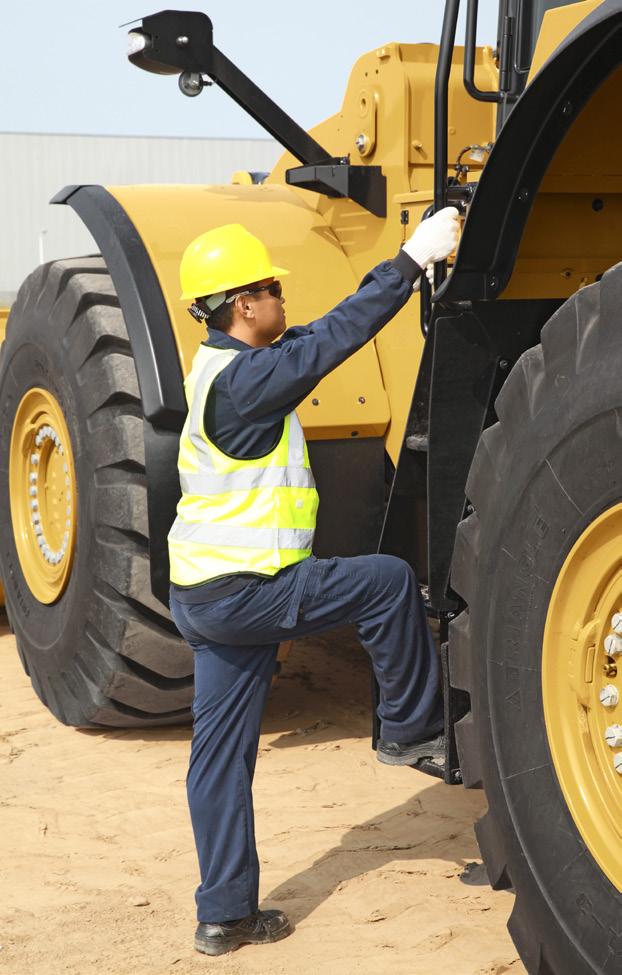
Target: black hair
[[221, 318]]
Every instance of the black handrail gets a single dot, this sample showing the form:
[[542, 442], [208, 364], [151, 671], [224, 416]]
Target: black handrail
[[441, 88], [470, 46]]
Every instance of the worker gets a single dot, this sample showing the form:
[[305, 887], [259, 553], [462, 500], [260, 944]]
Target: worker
[[243, 576]]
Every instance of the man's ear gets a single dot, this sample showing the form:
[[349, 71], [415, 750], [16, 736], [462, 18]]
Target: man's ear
[[245, 307]]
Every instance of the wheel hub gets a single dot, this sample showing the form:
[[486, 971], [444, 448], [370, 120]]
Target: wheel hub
[[582, 687], [43, 494]]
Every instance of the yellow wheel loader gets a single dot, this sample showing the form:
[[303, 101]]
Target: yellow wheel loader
[[479, 436]]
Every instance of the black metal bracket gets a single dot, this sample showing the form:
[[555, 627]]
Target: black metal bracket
[[182, 42], [365, 185], [456, 704]]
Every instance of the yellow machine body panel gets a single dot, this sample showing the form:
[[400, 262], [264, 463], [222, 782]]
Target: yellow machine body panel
[[4, 314], [573, 231], [557, 23], [390, 101], [329, 244], [350, 402]]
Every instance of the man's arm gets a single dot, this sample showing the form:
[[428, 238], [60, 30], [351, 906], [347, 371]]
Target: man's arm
[[266, 384]]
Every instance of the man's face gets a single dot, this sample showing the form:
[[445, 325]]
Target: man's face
[[268, 312]]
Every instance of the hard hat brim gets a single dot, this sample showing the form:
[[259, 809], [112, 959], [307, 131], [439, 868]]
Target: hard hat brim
[[277, 272]]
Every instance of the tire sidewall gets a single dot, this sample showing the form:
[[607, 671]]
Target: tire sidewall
[[528, 530], [34, 356]]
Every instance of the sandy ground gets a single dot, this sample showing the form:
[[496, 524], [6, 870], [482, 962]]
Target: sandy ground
[[97, 863]]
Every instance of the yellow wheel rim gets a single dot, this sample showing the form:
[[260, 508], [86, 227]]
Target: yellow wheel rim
[[43, 494], [582, 687]]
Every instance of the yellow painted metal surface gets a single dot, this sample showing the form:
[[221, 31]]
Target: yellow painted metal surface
[[576, 667], [43, 493], [573, 232], [330, 244], [169, 217], [4, 314], [390, 98], [556, 25]]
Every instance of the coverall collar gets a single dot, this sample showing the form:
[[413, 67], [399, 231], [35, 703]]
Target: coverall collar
[[220, 340]]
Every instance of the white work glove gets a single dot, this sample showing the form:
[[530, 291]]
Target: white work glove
[[429, 273], [435, 238]]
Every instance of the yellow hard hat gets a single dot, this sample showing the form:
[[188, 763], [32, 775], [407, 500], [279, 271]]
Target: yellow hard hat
[[222, 259]]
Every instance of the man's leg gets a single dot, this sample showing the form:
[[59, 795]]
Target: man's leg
[[380, 595], [235, 642], [231, 686]]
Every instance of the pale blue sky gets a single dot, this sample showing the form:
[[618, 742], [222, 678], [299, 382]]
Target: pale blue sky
[[63, 66]]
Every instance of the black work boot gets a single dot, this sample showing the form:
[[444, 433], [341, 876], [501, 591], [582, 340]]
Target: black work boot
[[260, 928], [395, 753]]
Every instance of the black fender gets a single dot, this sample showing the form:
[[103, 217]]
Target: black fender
[[155, 355], [140, 295]]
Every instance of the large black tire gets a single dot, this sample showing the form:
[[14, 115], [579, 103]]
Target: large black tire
[[540, 476], [106, 652]]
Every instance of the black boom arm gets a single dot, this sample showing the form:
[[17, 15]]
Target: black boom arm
[[181, 42]]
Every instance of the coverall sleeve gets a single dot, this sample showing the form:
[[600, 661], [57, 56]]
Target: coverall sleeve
[[266, 384]]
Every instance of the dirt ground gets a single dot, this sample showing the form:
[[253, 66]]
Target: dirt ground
[[98, 865]]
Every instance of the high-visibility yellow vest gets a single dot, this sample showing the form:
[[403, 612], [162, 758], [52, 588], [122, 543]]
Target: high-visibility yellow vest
[[238, 515]]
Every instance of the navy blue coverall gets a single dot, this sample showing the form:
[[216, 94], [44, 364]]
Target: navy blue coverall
[[235, 623]]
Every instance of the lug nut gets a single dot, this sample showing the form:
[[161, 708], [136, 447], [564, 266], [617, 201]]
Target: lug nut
[[613, 645], [613, 736], [616, 622], [609, 696], [617, 763]]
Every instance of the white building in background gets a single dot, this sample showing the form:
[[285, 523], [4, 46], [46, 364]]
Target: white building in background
[[34, 167]]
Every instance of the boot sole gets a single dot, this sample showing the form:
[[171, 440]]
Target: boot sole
[[412, 760], [215, 948]]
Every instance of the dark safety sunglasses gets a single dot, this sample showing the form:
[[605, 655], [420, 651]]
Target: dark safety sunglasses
[[275, 290]]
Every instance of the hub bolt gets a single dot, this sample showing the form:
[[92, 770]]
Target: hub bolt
[[616, 622], [609, 696], [617, 763], [613, 736], [613, 645]]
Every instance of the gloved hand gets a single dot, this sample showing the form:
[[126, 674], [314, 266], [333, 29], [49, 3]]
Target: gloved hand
[[435, 238], [429, 273]]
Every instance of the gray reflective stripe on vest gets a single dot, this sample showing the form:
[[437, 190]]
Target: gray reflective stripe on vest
[[240, 536], [246, 479], [296, 452], [214, 365]]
